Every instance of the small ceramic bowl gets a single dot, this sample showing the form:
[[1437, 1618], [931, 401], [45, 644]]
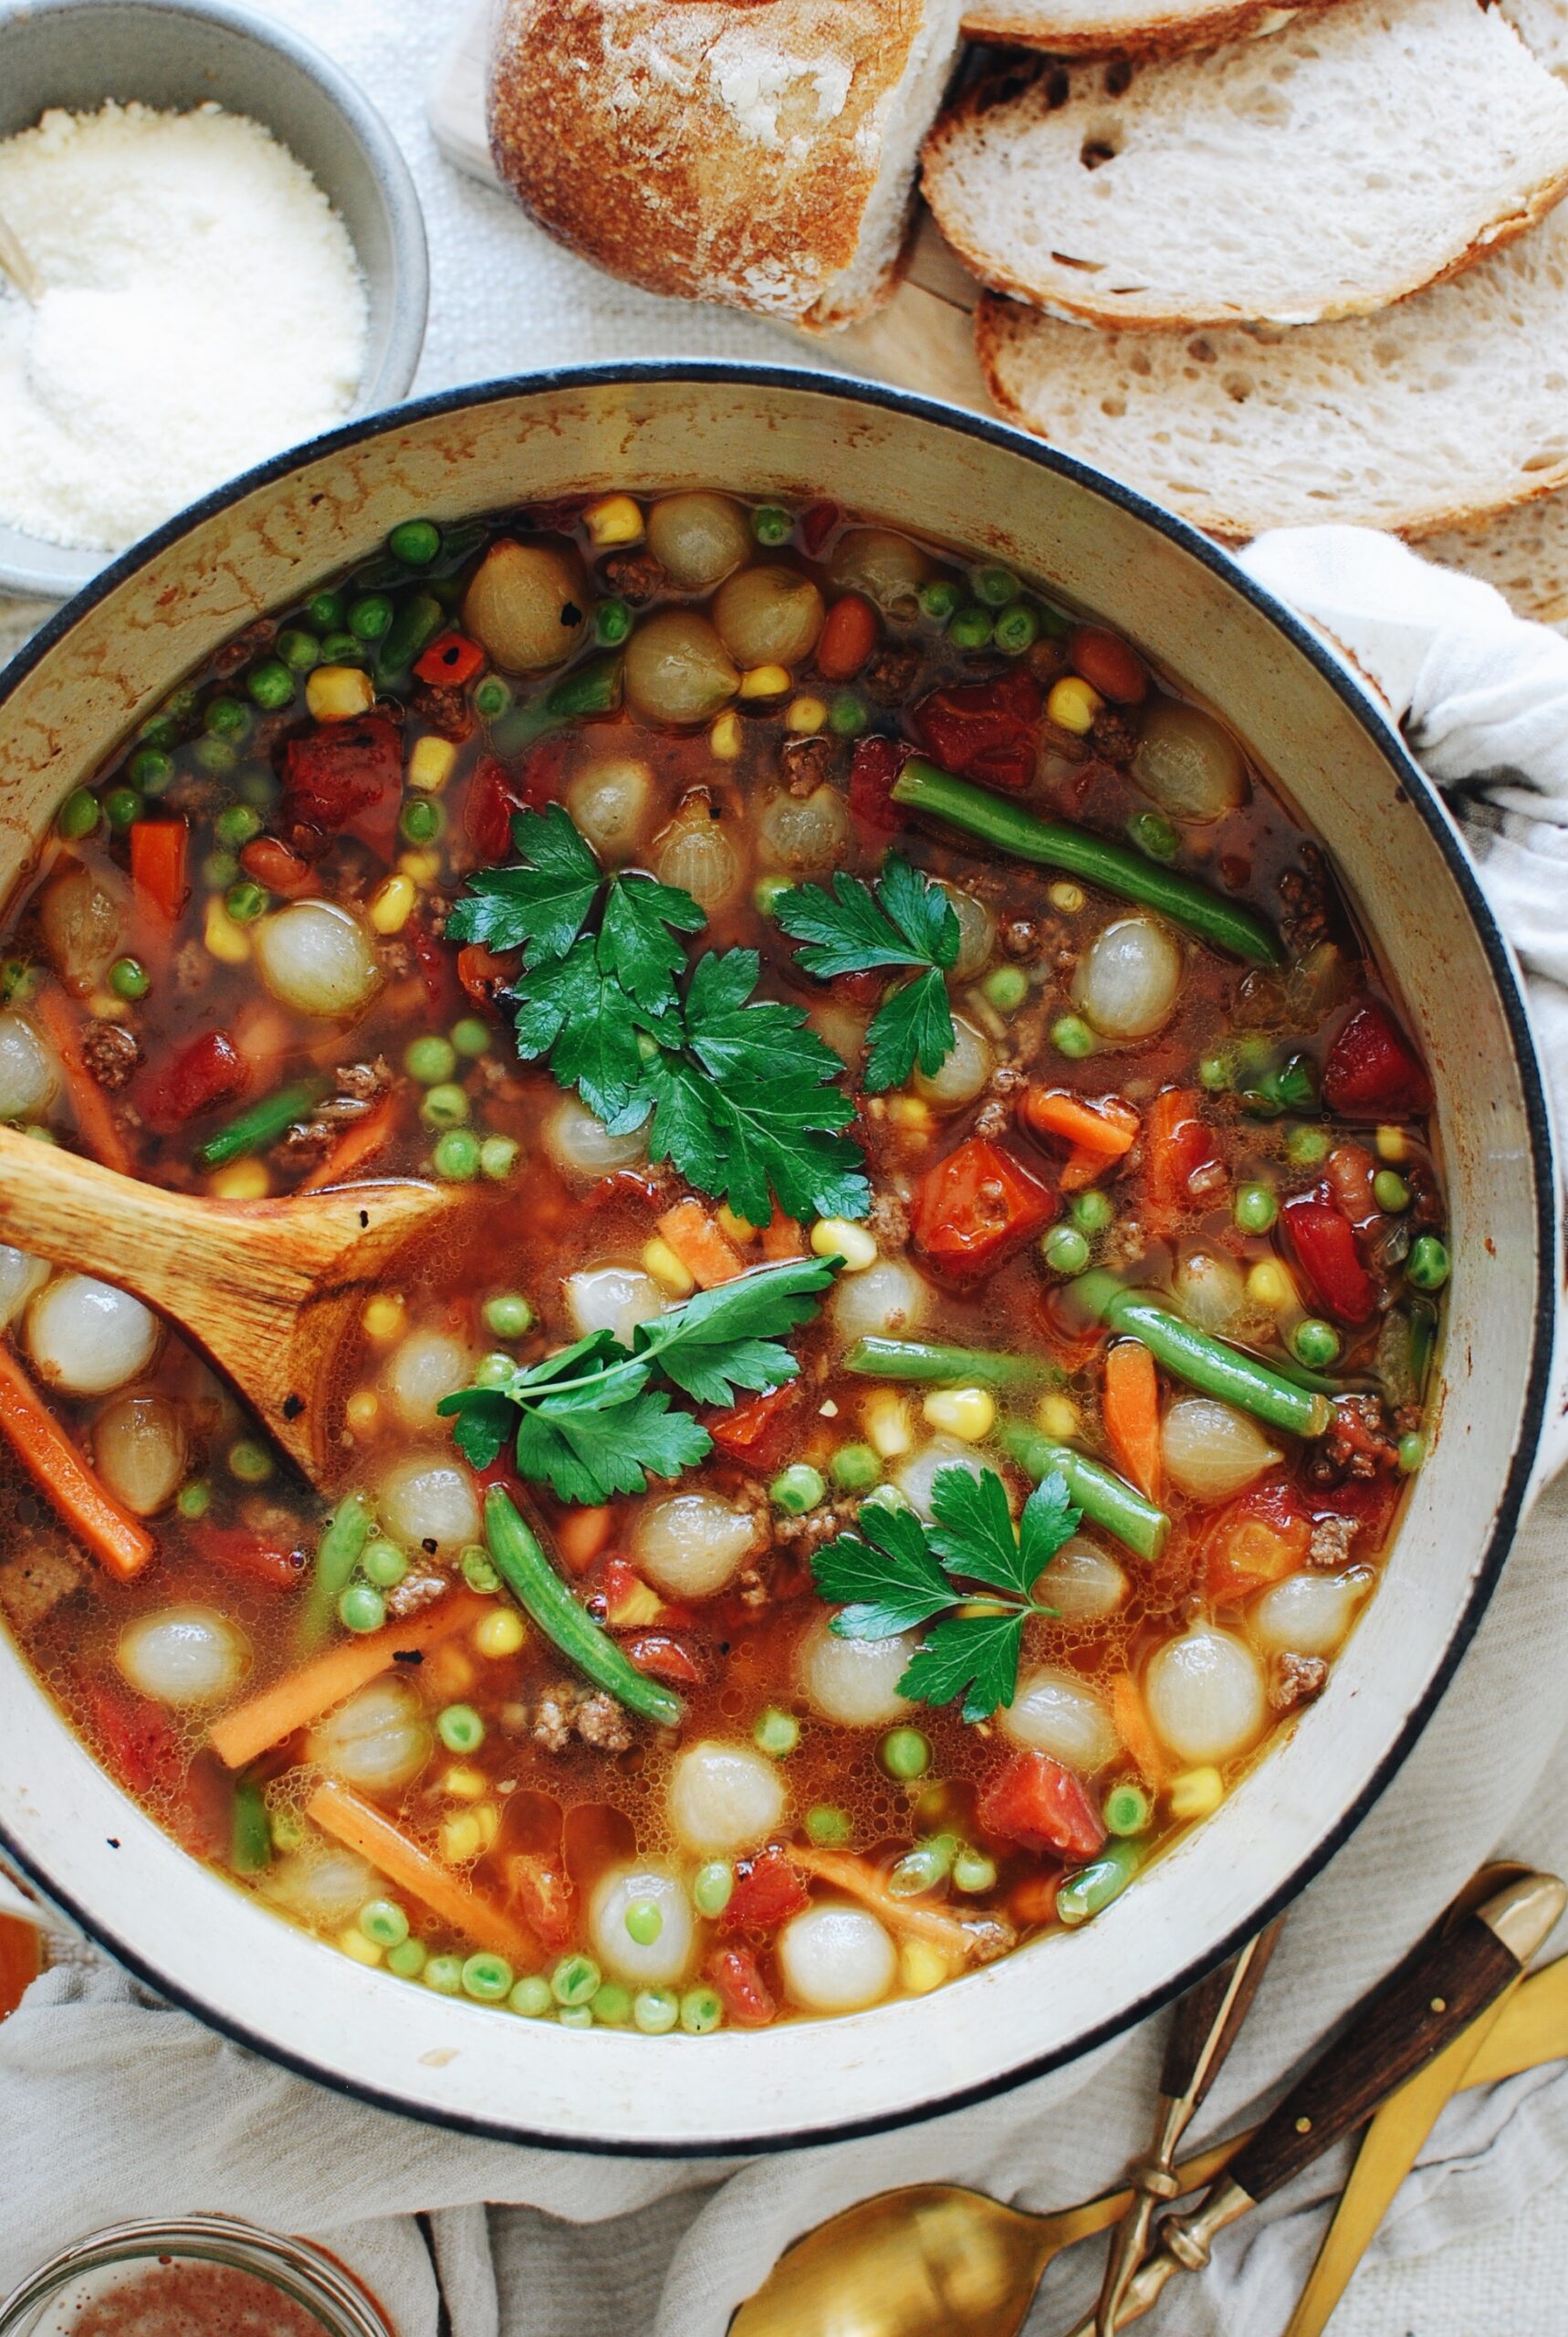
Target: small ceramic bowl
[[176, 54], [306, 2283]]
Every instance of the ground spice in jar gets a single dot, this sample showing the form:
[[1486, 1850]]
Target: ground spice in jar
[[190, 2299]]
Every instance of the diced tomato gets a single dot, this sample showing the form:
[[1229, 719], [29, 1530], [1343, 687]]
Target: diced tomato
[[976, 1207], [744, 1992], [158, 856], [542, 1894], [451, 660], [629, 1601], [270, 1558], [480, 972], [438, 970], [1372, 1072], [1324, 1241], [663, 1657], [1040, 1804], [873, 769], [817, 524], [138, 1741], [208, 1072], [1369, 1501], [488, 808], [272, 863], [767, 1892], [847, 638], [344, 779], [1033, 1900], [987, 731], [751, 1426], [1262, 1535], [1179, 1144]]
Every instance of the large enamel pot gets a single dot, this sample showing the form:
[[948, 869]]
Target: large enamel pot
[[112, 655]]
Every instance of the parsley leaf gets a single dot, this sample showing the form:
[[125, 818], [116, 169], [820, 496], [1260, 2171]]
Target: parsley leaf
[[586, 1456], [893, 1573], [581, 1019], [634, 944], [905, 921], [539, 908], [725, 1338]]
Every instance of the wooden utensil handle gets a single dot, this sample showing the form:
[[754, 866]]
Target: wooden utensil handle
[[1434, 1994], [1192, 2052]]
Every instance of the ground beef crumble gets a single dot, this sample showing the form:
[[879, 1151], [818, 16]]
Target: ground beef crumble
[[1358, 1445], [806, 763], [889, 677], [35, 1581], [636, 576], [1331, 1542], [414, 1593], [447, 711], [1297, 1679], [110, 1052], [565, 1710], [888, 1220]]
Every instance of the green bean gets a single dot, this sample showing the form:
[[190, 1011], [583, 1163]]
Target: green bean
[[592, 688], [250, 1833], [412, 629], [337, 1556], [521, 724], [1095, 1885], [1211, 1364], [1104, 1498], [1008, 827], [262, 1124], [523, 1566], [918, 1359]]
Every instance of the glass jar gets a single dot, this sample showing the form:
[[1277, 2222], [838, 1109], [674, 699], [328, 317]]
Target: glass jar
[[111, 2262]]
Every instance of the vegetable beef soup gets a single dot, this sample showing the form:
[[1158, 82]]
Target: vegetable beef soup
[[920, 1388]]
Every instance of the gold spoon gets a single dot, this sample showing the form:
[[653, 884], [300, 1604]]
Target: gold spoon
[[16, 264], [269, 1289]]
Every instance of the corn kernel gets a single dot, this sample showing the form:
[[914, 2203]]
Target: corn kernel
[[424, 867], [227, 942], [1058, 1417], [835, 1237], [461, 1838], [463, 1782], [104, 1007], [392, 903], [804, 715], [354, 1943], [661, 1262], [613, 519], [765, 681], [967, 1412], [1196, 1793], [430, 764], [500, 1633], [1072, 705], [724, 739], [242, 1181], [339, 693], [635, 1606], [734, 1228], [383, 1318], [922, 1966], [362, 1411], [1068, 899], [1269, 1284], [1391, 1144], [885, 1419], [911, 1114]]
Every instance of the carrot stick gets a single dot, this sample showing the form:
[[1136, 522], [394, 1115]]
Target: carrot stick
[[360, 1141], [1132, 1728], [314, 1688], [782, 1237], [353, 1822], [696, 1241], [1082, 1168], [96, 1123], [1131, 1413], [158, 853], [862, 1881], [117, 1540], [1108, 1127]]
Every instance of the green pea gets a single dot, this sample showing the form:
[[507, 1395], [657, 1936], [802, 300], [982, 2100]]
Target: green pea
[[181, 704], [1315, 1344], [1214, 1073], [776, 1733], [445, 1974], [1305, 1147], [1070, 1036], [712, 1887], [370, 616], [254, 785], [797, 1489], [701, 2011], [904, 1753], [382, 1563], [494, 1371], [415, 543], [123, 806], [611, 2005], [1390, 1191], [77, 815], [531, 1997], [1064, 1249], [227, 718], [151, 770], [974, 1872], [612, 623], [249, 1462], [939, 600], [408, 1959], [1127, 1810], [421, 821], [1427, 1266], [970, 629], [194, 1500], [855, 1467], [655, 2011], [160, 732], [828, 1826], [216, 757], [491, 698], [471, 1037], [1095, 1885], [478, 1570], [236, 824], [644, 1920], [887, 1496], [498, 1157], [769, 891], [19, 981], [508, 1315], [299, 650], [923, 1868], [771, 524], [270, 684], [576, 1980], [361, 1608], [430, 1061], [847, 718], [325, 610], [1016, 629], [460, 1728], [1255, 1208], [220, 870], [383, 1922], [246, 901], [995, 586], [1091, 1211], [1412, 1452], [1006, 987], [488, 1978], [343, 649], [574, 2016], [444, 1106], [129, 978], [1154, 836]]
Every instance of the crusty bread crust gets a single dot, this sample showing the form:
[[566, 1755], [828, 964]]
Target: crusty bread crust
[[1124, 29], [718, 150]]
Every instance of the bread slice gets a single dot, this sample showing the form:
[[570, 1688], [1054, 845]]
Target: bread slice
[[1524, 553], [1122, 27], [1451, 407], [1542, 27], [1325, 170], [759, 152]]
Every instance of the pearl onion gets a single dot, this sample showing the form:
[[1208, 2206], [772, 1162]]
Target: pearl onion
[[836, 1959], [1205, 1696], [853, 1682], [1053, 1712], [723, 1798], [663, 1961]]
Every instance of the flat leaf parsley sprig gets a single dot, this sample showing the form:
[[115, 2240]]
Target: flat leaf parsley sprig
[[590, 1422], [904, 920], [893, 1573]]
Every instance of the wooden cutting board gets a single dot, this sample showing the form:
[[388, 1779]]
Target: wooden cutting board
[[924, 338]]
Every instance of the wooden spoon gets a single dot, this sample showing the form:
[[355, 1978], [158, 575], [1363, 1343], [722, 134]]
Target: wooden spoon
[[269, 1289], [16, 264]]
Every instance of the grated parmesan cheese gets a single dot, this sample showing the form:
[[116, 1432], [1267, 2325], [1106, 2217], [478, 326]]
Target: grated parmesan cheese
[[204, 309]]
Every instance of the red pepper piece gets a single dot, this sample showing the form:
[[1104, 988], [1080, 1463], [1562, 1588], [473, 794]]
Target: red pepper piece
[[987, 731], [1324, 1241], [976, 1207], [1372, 1071], [210, 1071], [745, 1994], [1043, 1807], [542, 1894], [817, 525], [259, 1558], [344, 780], [158, 854], [873, 768], [751, 1426], [663, 1657], [1177, 1143], [767, 1892], [488, 808], [451, 660]]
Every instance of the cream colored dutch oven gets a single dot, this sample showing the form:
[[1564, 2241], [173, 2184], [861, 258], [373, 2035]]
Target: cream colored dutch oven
[[109, 658]]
